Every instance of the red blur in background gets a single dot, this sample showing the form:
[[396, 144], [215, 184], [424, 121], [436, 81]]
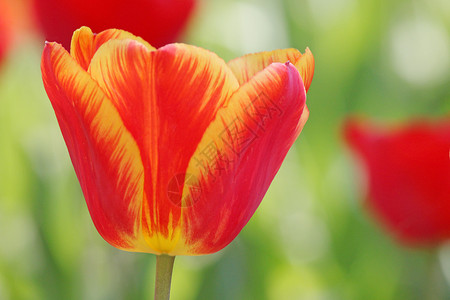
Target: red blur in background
[[408, 170], [157, 21]]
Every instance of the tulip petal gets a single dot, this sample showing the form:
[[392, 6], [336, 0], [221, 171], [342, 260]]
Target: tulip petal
[[238, 157], [247, 66], [166, 98], [105, 156], [408, 175], [85, 43]]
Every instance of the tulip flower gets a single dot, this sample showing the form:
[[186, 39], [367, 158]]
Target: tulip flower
[[158, 22], [174, 149], [408, 177]]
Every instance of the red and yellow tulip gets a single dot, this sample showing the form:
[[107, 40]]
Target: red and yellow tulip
[[174, 148]]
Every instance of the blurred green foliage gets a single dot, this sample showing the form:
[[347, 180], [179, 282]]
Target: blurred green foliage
[[312, 237]]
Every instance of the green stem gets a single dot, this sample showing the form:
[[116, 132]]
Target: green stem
[[436, 284], [164, 266]]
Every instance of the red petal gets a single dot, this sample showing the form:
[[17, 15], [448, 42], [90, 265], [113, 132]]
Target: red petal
[[247, 66], [85, 43], [166, 99], [409, 177], [238, 157], [104, 154], [5, 30]]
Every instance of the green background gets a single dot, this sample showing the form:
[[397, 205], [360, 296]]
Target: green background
[[312, 237]]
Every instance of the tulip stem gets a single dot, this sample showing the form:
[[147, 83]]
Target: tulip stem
[[164, 267], [436, 284]]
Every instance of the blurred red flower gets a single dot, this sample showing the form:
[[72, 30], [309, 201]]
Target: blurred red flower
[[157, 21], [409, 177]]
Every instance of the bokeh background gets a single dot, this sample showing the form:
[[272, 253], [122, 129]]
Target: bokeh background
[[312, 237]]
